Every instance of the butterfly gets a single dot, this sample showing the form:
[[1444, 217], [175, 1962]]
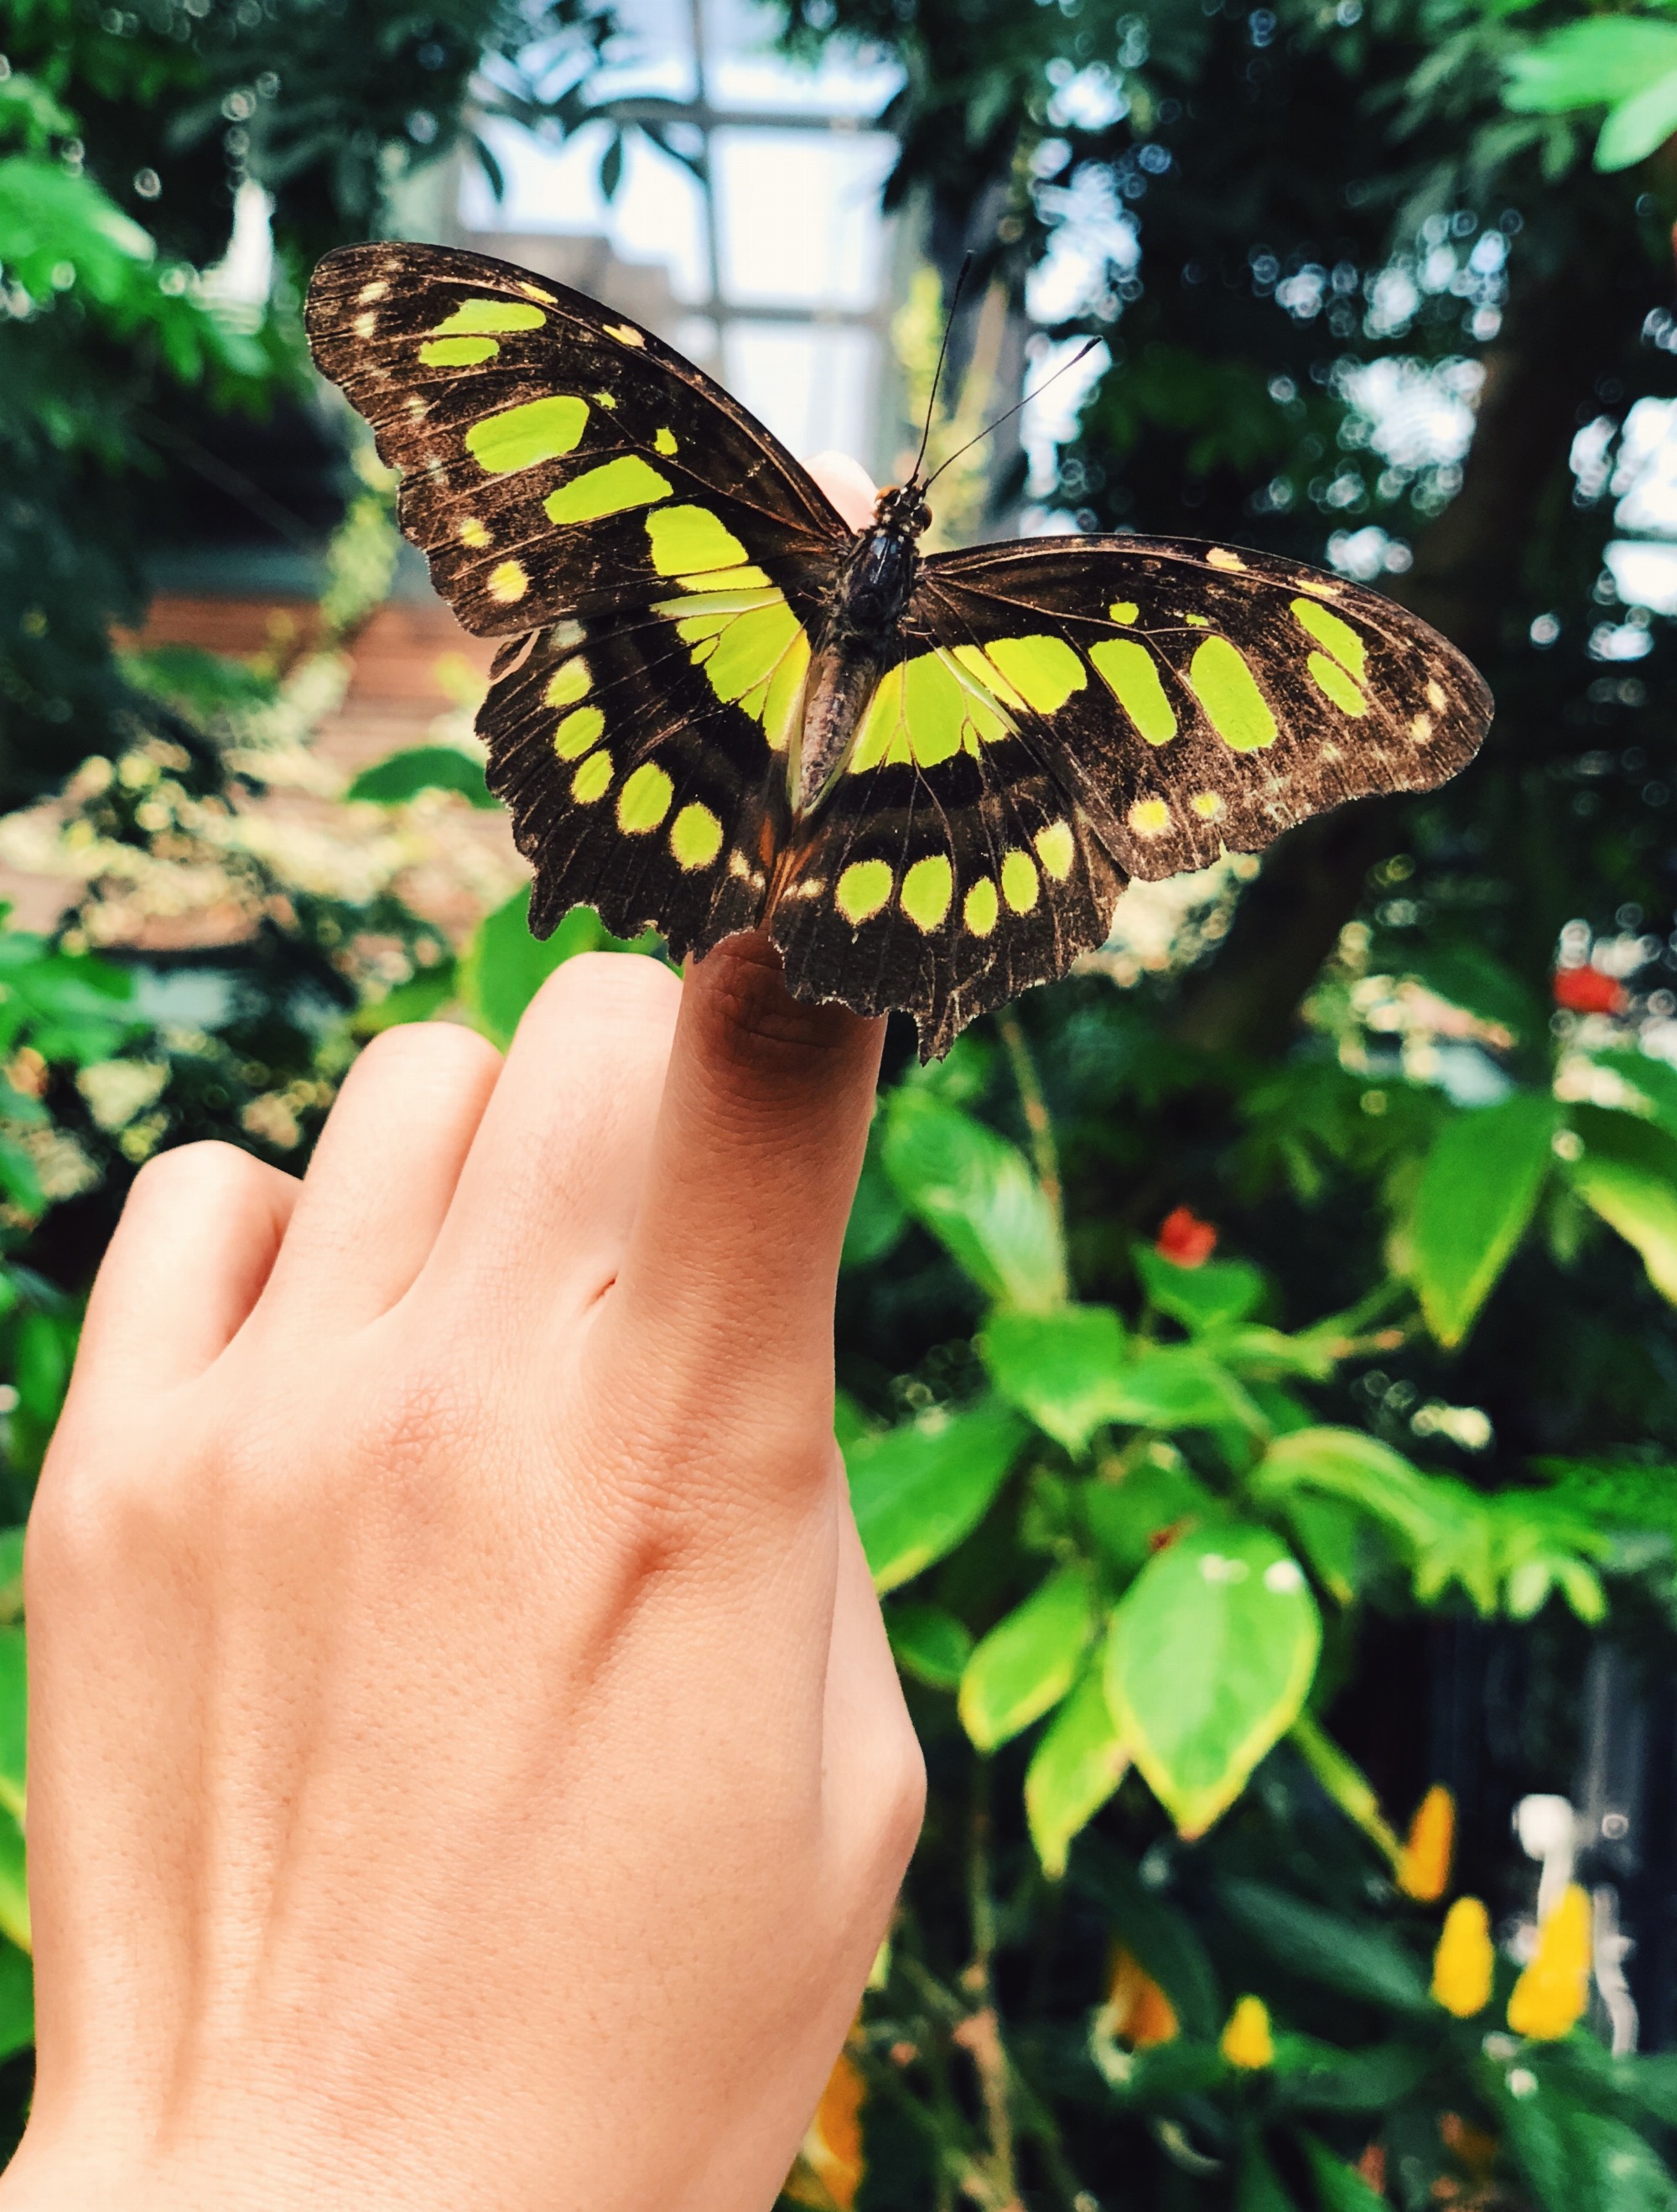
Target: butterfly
[[720, 708]]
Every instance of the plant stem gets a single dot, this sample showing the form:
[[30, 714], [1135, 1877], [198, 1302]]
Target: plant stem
[[1043, 1151], [979, 2034], [1347, 1785]]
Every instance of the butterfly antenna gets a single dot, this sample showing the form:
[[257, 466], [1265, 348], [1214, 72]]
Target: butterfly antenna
[[1082, 354], [938, 373]]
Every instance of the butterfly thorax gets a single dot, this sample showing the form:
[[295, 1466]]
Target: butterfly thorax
[[859, 639]]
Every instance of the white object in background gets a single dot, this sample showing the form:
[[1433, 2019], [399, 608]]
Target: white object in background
[[1548, 1830]]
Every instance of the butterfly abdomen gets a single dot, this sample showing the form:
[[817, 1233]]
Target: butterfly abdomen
[[859, 639]]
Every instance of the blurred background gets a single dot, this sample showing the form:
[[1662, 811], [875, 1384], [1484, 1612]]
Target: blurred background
[[1258, 1375]]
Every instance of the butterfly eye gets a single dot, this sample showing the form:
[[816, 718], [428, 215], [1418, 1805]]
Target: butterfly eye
[[922, 517]]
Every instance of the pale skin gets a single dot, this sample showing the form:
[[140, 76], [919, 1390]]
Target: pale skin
[[467, 1768]]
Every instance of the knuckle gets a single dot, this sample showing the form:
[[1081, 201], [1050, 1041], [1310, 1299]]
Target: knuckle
[[440, 1050], [206, 1165]]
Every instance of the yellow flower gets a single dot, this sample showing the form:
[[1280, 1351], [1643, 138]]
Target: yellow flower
[[1247, 2042], [1550, 1996], [1138, 2012], [1462, 1965], [1424, 1871]]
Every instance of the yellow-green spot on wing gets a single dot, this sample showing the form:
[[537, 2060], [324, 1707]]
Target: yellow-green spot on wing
[[1327, 629], [927, 709], [1018, 881], [927, 888], [490, 318], [1044, 670], [862, 890], [577, 733], [980, 908], [1226, 688], [611, 488], [665, 442], [458, 353], [1331, 680], [1131, 674], [644, 800], [754, 652], [594, 779], [520, 437], [696, 838], [1123, 611], [569, 683], [1056, 850], [690, 541], [509, 581]]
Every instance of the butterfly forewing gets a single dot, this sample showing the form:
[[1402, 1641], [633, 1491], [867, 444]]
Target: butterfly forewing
[[1201, 699]]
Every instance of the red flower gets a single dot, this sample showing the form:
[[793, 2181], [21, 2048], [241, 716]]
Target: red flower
[[1588, 991], [1184, 1239]]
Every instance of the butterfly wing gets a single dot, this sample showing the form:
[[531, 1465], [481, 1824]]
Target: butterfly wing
[[1071, 713], [655, 555]]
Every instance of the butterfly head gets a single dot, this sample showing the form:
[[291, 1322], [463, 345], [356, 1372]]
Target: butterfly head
[[902, 509]]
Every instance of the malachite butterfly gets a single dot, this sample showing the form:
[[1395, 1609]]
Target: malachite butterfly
[[719, 708]]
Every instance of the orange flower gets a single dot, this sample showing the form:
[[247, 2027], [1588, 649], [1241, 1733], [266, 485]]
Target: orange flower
[[830, 2165], [1184, 1239], [1424, 1871], [1248, 2042], [1550, 1996], [1463, 1963], [1138, 2012]]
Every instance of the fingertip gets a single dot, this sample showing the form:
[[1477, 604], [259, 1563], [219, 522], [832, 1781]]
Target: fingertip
[[743, 1023], [848, 484]]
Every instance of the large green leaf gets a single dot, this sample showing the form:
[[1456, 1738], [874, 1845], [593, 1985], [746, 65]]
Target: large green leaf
[[1177, 1386], [401, 776], [1127, 1518], [1640, 125], [1318, 2077], [1258, 2188], [17, 2000], [1628, 1174], [14, 1720], [1339, 2187], [1357, 1958], [919, 1489], [1063, 1368], [1079, 1762], [1028, 1662], [1596, 62], [1479, 1189], [504, 966], [1212, 1653], [977, 1195]]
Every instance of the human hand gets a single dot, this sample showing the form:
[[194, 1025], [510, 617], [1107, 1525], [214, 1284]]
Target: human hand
[[467, 1767]]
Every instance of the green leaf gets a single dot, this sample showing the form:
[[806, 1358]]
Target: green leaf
[[1628, 1175], [14, 1883], [1158, 1933], [929, 1643], [1028, 1662], [1479, 1189], [1212, 1653], [11, 1574], [1063, 1368], [17, 2000], [504, 966], [1317, 2077], [419, 1000], [877, 1217], [1654, 1081], [977, 1195], [1599, 62], [402, 777], [1127, 1518], [1079, 1762], [1339, 2188], [1258, 2188], [919, 1489], [1178, 1387], [1357, 1959], [13, 1721], [1200, 1297], [1639, 126]]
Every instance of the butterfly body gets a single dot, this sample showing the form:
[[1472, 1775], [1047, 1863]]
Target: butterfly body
[[718, 707]]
